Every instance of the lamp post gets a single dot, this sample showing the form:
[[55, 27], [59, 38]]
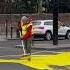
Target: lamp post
[[55, 21]]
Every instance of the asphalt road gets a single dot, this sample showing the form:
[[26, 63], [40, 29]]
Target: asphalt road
[[9, 48]]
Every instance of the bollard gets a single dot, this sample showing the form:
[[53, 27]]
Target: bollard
[[6, 25], [11, 32], [6, 30], [17, 33]]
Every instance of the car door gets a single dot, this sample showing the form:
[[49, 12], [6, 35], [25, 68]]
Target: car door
[[48, 25], [61, 30]]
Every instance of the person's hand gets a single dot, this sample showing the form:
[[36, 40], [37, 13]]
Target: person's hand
[[21, 37]]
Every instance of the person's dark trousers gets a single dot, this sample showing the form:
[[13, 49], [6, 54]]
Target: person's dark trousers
[[29, 44], [25, 45]]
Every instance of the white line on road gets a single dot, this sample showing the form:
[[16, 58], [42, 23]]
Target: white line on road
[[31, 54], [8, 47], [45, 51], [19, 45], [11, 56]]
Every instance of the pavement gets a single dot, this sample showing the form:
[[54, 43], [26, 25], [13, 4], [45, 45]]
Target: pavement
[[51, 46]]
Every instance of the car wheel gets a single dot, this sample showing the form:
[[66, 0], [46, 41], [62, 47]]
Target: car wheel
[[68, 35], [48, 36]]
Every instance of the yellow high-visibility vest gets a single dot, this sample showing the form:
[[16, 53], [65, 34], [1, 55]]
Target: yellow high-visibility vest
[[24, 29]]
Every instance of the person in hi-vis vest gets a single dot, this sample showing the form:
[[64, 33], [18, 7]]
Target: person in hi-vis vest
[[26, 34]]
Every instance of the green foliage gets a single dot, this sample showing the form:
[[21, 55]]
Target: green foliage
[[31, 6]]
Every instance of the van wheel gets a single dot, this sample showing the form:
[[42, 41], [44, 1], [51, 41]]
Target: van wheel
[[48, 35]]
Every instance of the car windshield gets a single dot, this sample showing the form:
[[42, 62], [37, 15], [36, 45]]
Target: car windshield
[[36, 22], [48, 23]]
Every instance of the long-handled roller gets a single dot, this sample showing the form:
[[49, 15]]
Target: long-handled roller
[[22, 42]]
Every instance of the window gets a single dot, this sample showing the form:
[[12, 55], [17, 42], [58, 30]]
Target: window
[[36, 22], [48, 23]]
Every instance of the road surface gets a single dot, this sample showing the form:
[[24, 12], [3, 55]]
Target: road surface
[[9, 48]]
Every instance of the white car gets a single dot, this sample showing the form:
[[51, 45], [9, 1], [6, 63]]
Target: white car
[[44, 28]]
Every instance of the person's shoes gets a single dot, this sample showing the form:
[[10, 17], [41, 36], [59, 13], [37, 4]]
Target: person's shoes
[[25, 54]]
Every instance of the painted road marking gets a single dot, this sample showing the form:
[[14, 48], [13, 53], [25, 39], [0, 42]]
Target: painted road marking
[[45, 52], [19, 45], [33, 54], [42, 62]]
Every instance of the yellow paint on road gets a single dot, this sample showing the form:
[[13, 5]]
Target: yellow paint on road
[[42, 62]]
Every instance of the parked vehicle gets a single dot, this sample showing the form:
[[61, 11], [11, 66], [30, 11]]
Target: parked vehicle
[[44, 28]]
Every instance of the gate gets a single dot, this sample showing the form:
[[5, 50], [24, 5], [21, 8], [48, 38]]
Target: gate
[[7, 31], [2, 31]]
